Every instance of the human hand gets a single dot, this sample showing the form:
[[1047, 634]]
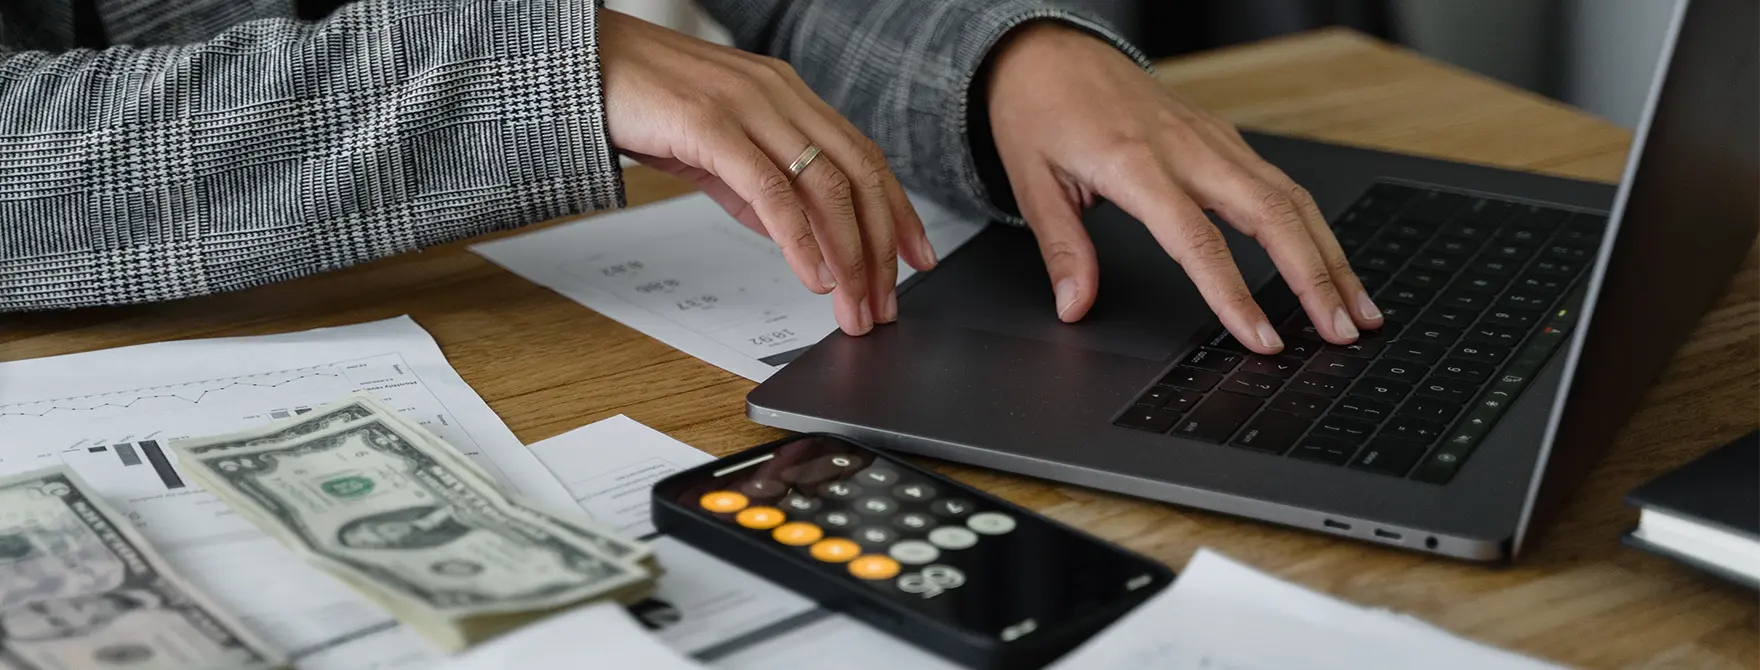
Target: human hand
[[731, 122], [1074, 118]]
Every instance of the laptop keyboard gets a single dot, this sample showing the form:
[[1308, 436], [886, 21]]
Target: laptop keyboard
[[1477, 293]]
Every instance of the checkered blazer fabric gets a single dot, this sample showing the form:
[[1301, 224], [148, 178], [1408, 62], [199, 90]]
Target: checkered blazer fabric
[[222, 144]]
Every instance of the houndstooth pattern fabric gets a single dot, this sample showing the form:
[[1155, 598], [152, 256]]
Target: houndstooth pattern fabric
[[222, 145]]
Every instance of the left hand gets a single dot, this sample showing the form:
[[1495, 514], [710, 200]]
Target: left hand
[[1074, 118]]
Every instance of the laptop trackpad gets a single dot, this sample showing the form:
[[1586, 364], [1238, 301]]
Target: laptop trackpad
[[1147, 308]]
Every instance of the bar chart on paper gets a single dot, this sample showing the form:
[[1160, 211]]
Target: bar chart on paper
[[112, 415]]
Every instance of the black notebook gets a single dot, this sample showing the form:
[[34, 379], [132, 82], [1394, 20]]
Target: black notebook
[[1707, 513]]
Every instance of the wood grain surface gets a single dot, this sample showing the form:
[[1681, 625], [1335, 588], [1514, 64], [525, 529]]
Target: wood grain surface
[[547, 365]]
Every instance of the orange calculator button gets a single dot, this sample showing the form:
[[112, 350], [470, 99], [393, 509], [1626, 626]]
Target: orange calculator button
[[723, 502], [874, 566], [797, 533], [835, 550], [760, 518]]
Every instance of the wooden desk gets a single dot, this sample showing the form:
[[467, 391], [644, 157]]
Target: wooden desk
[[548, 365]]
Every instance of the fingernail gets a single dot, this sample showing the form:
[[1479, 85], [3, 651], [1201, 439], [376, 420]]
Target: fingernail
[[1341, 322], [1268, 336], [867, 322], [826, 279], [928, 252], [890, 313], [1066, 295], [1367, 307]]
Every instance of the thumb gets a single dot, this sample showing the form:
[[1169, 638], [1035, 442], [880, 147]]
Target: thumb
[[1054, 211]]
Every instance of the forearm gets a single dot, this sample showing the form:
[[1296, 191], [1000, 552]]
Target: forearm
[[281, 148], [905, 73]]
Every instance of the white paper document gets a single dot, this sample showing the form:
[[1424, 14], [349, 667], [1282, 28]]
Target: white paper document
[[594, 636], [685, 273], [1222, 615], [109, 415], [610, 468]]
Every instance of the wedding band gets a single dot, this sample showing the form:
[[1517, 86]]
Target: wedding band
[[800, 164]]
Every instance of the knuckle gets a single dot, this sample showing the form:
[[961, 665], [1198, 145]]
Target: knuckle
[[1204, 243], [858, 265], [1126, 155], [1276, 208], [871, 169], [1319, 278], [778, 67], [775, 188], [835, 187]]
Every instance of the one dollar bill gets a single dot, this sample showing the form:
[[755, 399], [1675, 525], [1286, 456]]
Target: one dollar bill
[[81, 590], [400, 516]]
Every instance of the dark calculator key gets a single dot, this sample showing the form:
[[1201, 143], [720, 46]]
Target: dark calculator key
[[1568, 253], [1449, 245], [1337, 365], [1495, 266], [1301, 347], [914, 521], [1524, 300], [1182, 400], [1389, 456], [1406, 372], [1214, 360], [950, 507], [1247, 383], [1363, 409], [1481, 352], [1281, 367], [1445, 315], [1273, 432], [1375, 260], [1318, 384], [1417, 430], [1425, 332], [1480, 282], [1419, 278], [1511, 317], [1384, 390], [1396, 246], [1405, 295], [1411, 231], [1422, 352], [1152, 419], [1430, 409], [914, 491], [1371, 279], [1300, 404], [1469, 230], [1466, 370], [1157, 395], [1217, 417], [1340, 428], [1556, 268], [1520, 235], [1542, 284], [1437, 262], [1451, 390], [1367, 345], [1324, 450], [1191, 378], [1508, 337], [1467, 300]]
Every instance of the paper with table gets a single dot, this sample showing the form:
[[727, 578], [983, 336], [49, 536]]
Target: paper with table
[[685, 273]]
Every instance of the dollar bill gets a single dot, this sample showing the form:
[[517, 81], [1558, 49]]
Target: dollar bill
[[81, 590], [352, 408], [412, 524]]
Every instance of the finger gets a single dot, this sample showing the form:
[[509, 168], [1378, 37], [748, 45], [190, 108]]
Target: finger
[[1350, 287], [749, 173], [1267, 215], [865, 166], [1142, 187], [1057, 225], [829, 200]]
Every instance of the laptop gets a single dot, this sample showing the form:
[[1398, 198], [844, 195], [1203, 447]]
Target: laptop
[[1526, 316]]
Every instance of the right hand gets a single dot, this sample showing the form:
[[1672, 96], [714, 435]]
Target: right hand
[[731, 122]]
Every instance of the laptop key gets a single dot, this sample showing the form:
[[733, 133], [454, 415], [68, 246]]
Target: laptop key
[[1465, 370], [1443, 315], [1349, 430], [1409, 350], [1440, 335], [1465, 300], [1481, 352], [1481, 282], [1437, 262], [1337, 365], [1470, 230], [1152, 419], [1495, 266], [1378, 261], [1396, 246], [1567, 252], [1247, 383], [1281, 367], [1192, 378], [1217, 417], [1452, 390], [1556, 268], [1510, 252], [1516, 318], [1434, 206], [1521, 235], [1382, 389], [1389, 456], [1541, 284], [1398, 314], [1272, 432], [1363, 409], [1417, 430], [1449, 245], [1214, 360], [1318, 384], [1182, 400], [1368, 344], [1520, 299], [1303, 405], [1420, 278], [1500, 335], [1301, 347], [1430, 409], [1324, 450], [1405, 295], [1411, 230], [1157, 395], [1405, 372]]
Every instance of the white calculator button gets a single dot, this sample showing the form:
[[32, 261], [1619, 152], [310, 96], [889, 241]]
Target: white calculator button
[[952, 537], [836, 519], [914, 552], [914, 583], [944, 576], [991, 523]]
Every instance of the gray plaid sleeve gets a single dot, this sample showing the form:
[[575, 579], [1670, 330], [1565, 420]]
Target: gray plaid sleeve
[[281, 148], [903, 71]]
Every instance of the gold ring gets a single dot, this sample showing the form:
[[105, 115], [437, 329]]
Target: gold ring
[[800, 164]]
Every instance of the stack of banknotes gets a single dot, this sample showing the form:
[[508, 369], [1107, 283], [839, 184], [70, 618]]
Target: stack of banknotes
[[386, 507]]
